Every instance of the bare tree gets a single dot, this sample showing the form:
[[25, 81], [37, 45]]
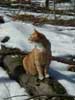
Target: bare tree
[[47, 3], [73, 4], [54, 6]]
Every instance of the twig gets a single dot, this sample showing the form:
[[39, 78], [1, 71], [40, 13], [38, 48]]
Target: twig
[[51, 95], [46, 95], [15, 96], [7, 89]]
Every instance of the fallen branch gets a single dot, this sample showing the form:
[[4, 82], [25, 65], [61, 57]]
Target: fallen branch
[[37, 96], [14, 68], [13, 53], [69, 59], [66, 59], [15, 96]]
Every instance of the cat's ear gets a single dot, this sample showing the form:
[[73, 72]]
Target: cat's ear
[[35, 30]]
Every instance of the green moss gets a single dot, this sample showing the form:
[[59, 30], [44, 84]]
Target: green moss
[[17, 59]]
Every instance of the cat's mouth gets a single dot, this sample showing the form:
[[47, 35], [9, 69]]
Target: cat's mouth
[[29, 39]]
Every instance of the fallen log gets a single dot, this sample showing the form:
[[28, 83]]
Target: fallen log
[[34, 87], [43, 90], [12, 63]]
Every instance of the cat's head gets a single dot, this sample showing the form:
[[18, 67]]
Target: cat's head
[[36, 36]]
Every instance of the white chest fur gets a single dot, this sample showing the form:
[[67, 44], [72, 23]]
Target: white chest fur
[[39, 46]]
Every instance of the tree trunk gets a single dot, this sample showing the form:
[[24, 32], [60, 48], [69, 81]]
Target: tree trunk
[[54, 2], [47, 3]]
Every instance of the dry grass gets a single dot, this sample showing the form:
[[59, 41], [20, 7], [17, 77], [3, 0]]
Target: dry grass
[[45, 20]]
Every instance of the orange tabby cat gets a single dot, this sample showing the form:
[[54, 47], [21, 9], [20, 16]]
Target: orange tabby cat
[[38, 60]]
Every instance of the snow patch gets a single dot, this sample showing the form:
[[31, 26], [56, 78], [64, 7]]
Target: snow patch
[[9, 88]]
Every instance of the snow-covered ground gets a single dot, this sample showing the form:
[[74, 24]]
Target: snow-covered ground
[[60, 6], [64, 6], [62, 38], [62, 42], [50, 16], [10, 88]]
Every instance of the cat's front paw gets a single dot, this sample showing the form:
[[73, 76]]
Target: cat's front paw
[[41, 77], [47, 76]]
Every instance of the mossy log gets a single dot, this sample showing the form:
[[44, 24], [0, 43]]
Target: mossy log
[[13, 65]]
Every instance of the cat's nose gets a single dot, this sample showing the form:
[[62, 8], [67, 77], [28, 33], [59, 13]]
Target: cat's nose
[[30, 38]]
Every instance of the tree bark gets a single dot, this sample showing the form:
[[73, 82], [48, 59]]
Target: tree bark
[[47, 3]]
